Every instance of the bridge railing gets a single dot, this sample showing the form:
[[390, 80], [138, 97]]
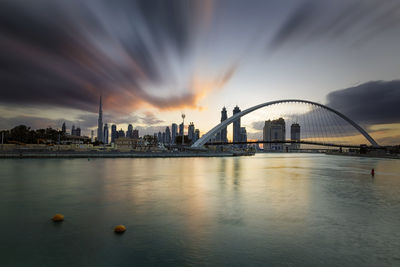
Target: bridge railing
[[284, 142]]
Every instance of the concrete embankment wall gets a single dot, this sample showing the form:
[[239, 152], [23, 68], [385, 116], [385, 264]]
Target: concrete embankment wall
[[112, 155], [372, 155]]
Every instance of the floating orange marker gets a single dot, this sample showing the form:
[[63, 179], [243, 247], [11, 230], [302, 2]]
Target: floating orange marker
[[372, 172], [120, 229], [58, 218]]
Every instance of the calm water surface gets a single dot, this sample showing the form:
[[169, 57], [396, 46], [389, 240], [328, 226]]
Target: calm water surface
[[275, 209]]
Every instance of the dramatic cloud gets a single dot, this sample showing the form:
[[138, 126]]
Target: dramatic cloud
[[375, 102], [296, 23], [353, 21], [67, 53], [144, 55], [147, 52]]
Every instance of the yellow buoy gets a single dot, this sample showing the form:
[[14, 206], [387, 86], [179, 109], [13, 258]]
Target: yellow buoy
[[58, 218], [120, 228]]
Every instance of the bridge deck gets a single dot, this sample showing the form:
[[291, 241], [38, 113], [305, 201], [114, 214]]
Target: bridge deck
[[284, 142]]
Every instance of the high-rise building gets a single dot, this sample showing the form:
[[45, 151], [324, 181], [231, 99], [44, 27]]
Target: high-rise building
[[181, 130], [196, 135], [167, 135], [274, 131], [75, 131], [159, 137], [78, 131], [163, 138], [130, 131], [121, 134], [63, 128], [236, 126], [114, 133], [105, 134], [295, 135], [224, 132], [174, 132], [92, 136], [100, 123], [191, 131], [135, 134], [243, 136]]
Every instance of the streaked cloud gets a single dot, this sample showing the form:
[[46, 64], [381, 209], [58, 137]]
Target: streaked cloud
[[153, 56], [374, 102], [352, 22], [67, 53]]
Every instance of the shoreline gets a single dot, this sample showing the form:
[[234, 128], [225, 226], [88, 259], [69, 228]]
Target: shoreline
[[14, 155], [189, 154], [364, 155]]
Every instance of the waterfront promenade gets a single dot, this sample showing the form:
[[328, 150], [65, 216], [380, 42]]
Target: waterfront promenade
[[118, 154]]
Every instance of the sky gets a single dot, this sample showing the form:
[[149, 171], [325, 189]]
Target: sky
[[152, 60]]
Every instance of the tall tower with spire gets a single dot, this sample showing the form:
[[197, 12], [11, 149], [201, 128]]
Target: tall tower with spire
[[100, 123]]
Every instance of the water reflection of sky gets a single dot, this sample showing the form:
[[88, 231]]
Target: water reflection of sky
[[273, 208]]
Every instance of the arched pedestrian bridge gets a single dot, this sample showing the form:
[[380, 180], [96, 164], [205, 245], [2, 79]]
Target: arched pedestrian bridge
[[210, 134]]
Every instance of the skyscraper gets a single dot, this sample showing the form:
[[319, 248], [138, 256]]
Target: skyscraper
[[100, 123], [191, 131], [114, 133], [236, 126], [174, 132], [183, 128], [63, 128], [163, 137], [78, 131], [243, 136], [181, 132], [73, 130], [130, 131], [196, 135], [274, 131], [167, 135], [105, 134], [159, 137], [224, 132], [295, 135]]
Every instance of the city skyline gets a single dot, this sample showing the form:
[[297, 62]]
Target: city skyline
[[151, 69], [200, 132]]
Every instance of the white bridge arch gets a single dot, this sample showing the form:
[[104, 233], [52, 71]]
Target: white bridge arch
[[206, 137]]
